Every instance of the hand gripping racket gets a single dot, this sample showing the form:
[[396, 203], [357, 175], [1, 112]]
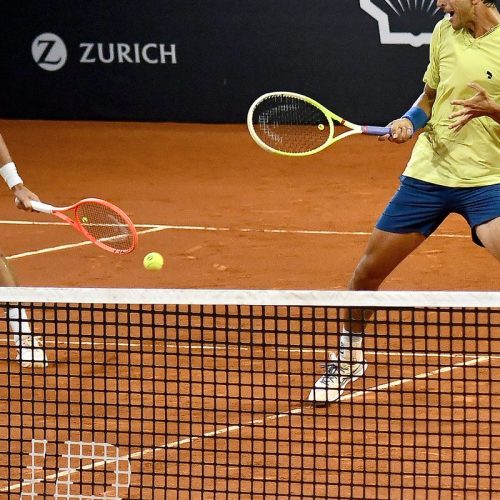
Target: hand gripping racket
[[101, 222], [295, 125]]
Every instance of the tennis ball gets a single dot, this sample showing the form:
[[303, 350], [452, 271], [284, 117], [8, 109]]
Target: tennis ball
[[84, 220], [153, 261], [321, 126]]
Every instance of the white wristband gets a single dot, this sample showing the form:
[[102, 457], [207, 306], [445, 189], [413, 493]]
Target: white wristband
[[10, 175]]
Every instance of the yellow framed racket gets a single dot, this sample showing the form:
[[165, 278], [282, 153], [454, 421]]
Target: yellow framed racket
[[292, 124]]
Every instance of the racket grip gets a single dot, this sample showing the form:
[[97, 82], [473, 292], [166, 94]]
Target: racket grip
[[38, 206], [372, 130]]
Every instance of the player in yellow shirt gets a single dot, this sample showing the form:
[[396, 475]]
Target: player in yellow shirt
[[454, 166]]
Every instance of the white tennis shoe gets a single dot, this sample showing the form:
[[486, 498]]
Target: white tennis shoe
[[339, 373], [31, 353]]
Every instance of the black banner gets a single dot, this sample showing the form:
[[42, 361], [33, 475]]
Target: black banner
[[207, 60]]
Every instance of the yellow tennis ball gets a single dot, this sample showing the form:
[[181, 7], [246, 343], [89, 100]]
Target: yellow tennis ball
[[84, 220], [321, 126], [153, 261]]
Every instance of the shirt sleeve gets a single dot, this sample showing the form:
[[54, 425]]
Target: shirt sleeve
[[431, 76]]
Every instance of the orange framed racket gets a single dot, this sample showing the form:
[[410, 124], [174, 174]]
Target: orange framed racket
[[101, 222]]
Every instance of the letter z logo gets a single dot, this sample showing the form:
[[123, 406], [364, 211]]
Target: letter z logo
[[49, 51]]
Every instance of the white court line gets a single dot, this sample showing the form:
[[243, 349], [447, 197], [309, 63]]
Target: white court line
[[214, 347], [229, 429], [66, 247], [164, 227], [153, 228]]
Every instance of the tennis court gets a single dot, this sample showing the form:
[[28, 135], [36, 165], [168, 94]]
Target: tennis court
[[208, 400]]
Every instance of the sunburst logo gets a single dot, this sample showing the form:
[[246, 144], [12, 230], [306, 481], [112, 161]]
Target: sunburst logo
[[403, 22]]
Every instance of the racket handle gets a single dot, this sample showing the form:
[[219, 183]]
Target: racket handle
[[372, 130], [38, 206]]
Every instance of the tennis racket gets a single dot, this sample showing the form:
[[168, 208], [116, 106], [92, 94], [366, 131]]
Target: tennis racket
[[101, 222], [295, 125]]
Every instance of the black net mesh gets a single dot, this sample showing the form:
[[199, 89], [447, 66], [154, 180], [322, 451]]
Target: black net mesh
[[191, 401]]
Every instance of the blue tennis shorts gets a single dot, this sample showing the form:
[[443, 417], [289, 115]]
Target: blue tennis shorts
[[420, 207]]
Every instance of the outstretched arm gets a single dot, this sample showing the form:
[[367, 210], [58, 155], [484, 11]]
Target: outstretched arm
[[402, 129], [4, 153], [481, 104], [9, 173]]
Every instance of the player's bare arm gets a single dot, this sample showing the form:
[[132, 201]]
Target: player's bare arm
[[4, 153], [9, 173], [402, 129], [480, 104]]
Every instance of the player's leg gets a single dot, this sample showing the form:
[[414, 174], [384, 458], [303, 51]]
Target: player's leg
[[480, 206], [384, 252], [6, 275], [489, 235], [30, 352], [414, 212]]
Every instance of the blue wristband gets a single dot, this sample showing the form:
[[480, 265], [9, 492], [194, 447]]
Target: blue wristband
[[417, 116]]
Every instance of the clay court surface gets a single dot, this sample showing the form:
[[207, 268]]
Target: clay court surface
[[224, 214], [222, 199]]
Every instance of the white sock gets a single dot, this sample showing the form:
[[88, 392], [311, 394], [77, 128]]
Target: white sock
[[351, 346], [18, 323]]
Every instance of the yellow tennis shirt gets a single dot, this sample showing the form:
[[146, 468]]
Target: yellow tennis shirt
[[471, 156]]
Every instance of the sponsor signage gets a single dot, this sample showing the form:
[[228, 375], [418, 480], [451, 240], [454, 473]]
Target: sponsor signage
[[199, 61], [49, 52]]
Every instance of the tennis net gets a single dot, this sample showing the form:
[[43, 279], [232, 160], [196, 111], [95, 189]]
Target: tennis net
[[204, 393]]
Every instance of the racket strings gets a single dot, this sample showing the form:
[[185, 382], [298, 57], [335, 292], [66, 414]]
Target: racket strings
[[105, 225], [290, 124]]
